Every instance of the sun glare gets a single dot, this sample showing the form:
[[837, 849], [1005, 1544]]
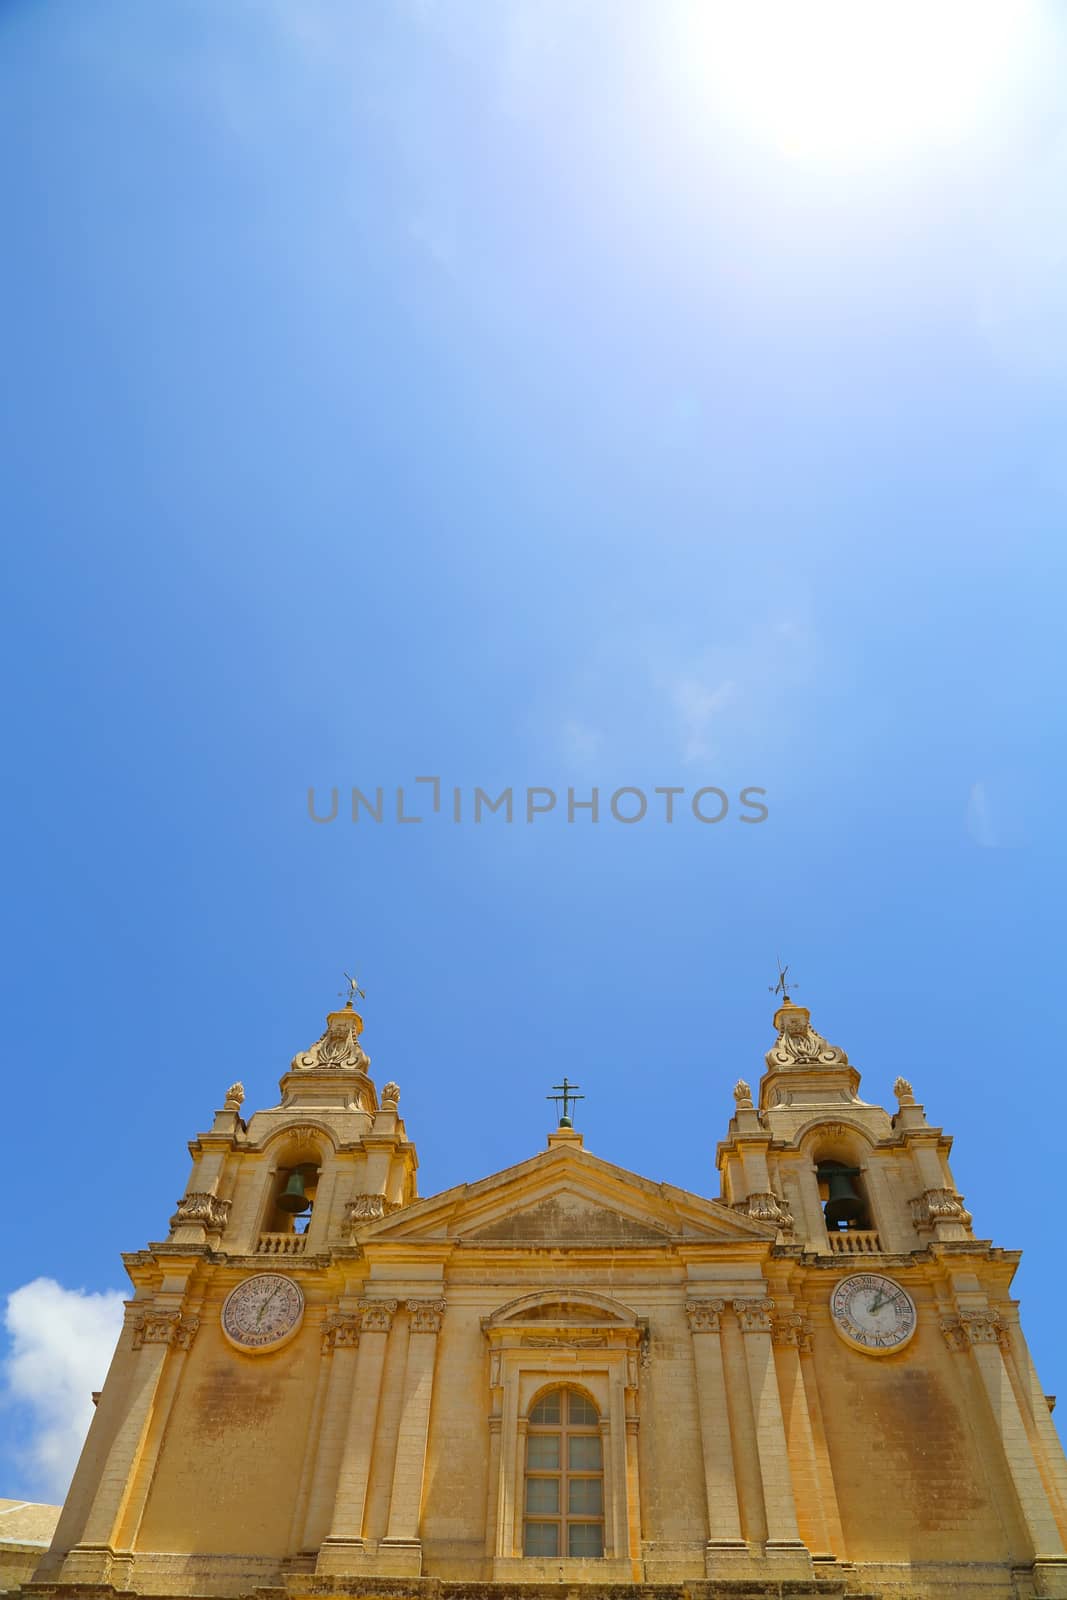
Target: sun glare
[[853, 79]]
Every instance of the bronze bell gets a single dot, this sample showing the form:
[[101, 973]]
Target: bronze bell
[[844, 1205], [292, 1197]]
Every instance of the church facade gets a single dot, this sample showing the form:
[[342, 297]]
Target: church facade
[[567, 1374]]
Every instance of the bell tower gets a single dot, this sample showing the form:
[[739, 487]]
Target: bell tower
[[835, 1174], [186, 1430]]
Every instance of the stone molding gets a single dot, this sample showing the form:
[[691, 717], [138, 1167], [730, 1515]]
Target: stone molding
[[704, 1315], [340, 1331], [593, 1343], [376, 1316], [426, 1315], [939, 1205], [164, 1327], [763, 1206], [367, 1208], [207, 1209], [967, 1328], [754, 1315], [792, 1328]]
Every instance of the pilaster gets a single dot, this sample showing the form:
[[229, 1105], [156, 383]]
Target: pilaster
[[978, 1331], [724, 1520], [344, 1543], [401, 1548], [783, 1535]]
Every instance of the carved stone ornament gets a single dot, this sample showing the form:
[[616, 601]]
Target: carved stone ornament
[[391, 1094], [339, 1049], [792, 1329], [743, 1094], [164, 1327], [704, 1315], [939, 1205], [798, 1044], [366, 1208], [305, 1138], [235, 1095], [340, 1332], [205, 1208], [973, 1327], [983, 1327], [593, 1343], [426, 1315], [754, 1315], [376, 1316], [768, 1207], [904, 1091]]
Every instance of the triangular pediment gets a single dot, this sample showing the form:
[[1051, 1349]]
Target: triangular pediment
[[571, 1218], [567, 1198]]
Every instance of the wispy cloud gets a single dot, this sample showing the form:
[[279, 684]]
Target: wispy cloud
[[697, 705], [61, 1342]]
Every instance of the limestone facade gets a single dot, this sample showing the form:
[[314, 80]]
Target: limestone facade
[[399, 1435]]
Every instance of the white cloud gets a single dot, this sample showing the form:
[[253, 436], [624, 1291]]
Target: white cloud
[[61, 1346], [697, 705]]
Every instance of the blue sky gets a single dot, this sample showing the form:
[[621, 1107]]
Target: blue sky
[[478, 391]]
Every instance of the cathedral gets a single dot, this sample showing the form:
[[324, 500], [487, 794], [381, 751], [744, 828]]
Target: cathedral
[[565, 1374]]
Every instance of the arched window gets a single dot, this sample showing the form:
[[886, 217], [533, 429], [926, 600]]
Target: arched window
[[843, 1194], [293, 1198], [564, 1477]]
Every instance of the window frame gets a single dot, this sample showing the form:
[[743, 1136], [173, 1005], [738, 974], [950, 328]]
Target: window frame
[[563, 1474], [589, 1343]]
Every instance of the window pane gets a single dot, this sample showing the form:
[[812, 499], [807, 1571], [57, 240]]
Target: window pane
[[585, 1539], [580, 1412], [586, 1497], [542, 1539], [583, 1450], [542, 1452], [542, 1494], [548, 1410]]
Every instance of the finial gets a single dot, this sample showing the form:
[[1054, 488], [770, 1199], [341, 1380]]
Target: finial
[[904, 1092], [353, 990], [743, 1094], [780, 986], [567, 1095], [235, 1096]]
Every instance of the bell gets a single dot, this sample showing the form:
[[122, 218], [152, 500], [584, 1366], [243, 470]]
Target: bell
[[844, 1205], [292, 1197]]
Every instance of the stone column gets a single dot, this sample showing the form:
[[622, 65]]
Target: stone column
[[783, 1534], [405, 1504], [340, 1341], [344, 1541], [153, 1332], [724, 1521], [981, 1332]]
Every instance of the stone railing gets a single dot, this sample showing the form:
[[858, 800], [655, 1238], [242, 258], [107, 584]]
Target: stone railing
[[855, 1242], [281, 1244]]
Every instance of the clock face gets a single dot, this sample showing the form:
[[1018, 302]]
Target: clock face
[[262, 1313], [872, 1313]]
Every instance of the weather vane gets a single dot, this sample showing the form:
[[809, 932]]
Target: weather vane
[[353, 990], [780, 986], [568, 1096]]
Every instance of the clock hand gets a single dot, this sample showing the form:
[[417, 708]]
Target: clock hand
[[264, 1306]]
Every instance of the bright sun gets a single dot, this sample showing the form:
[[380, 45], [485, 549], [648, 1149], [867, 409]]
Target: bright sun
[[843, 80]]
